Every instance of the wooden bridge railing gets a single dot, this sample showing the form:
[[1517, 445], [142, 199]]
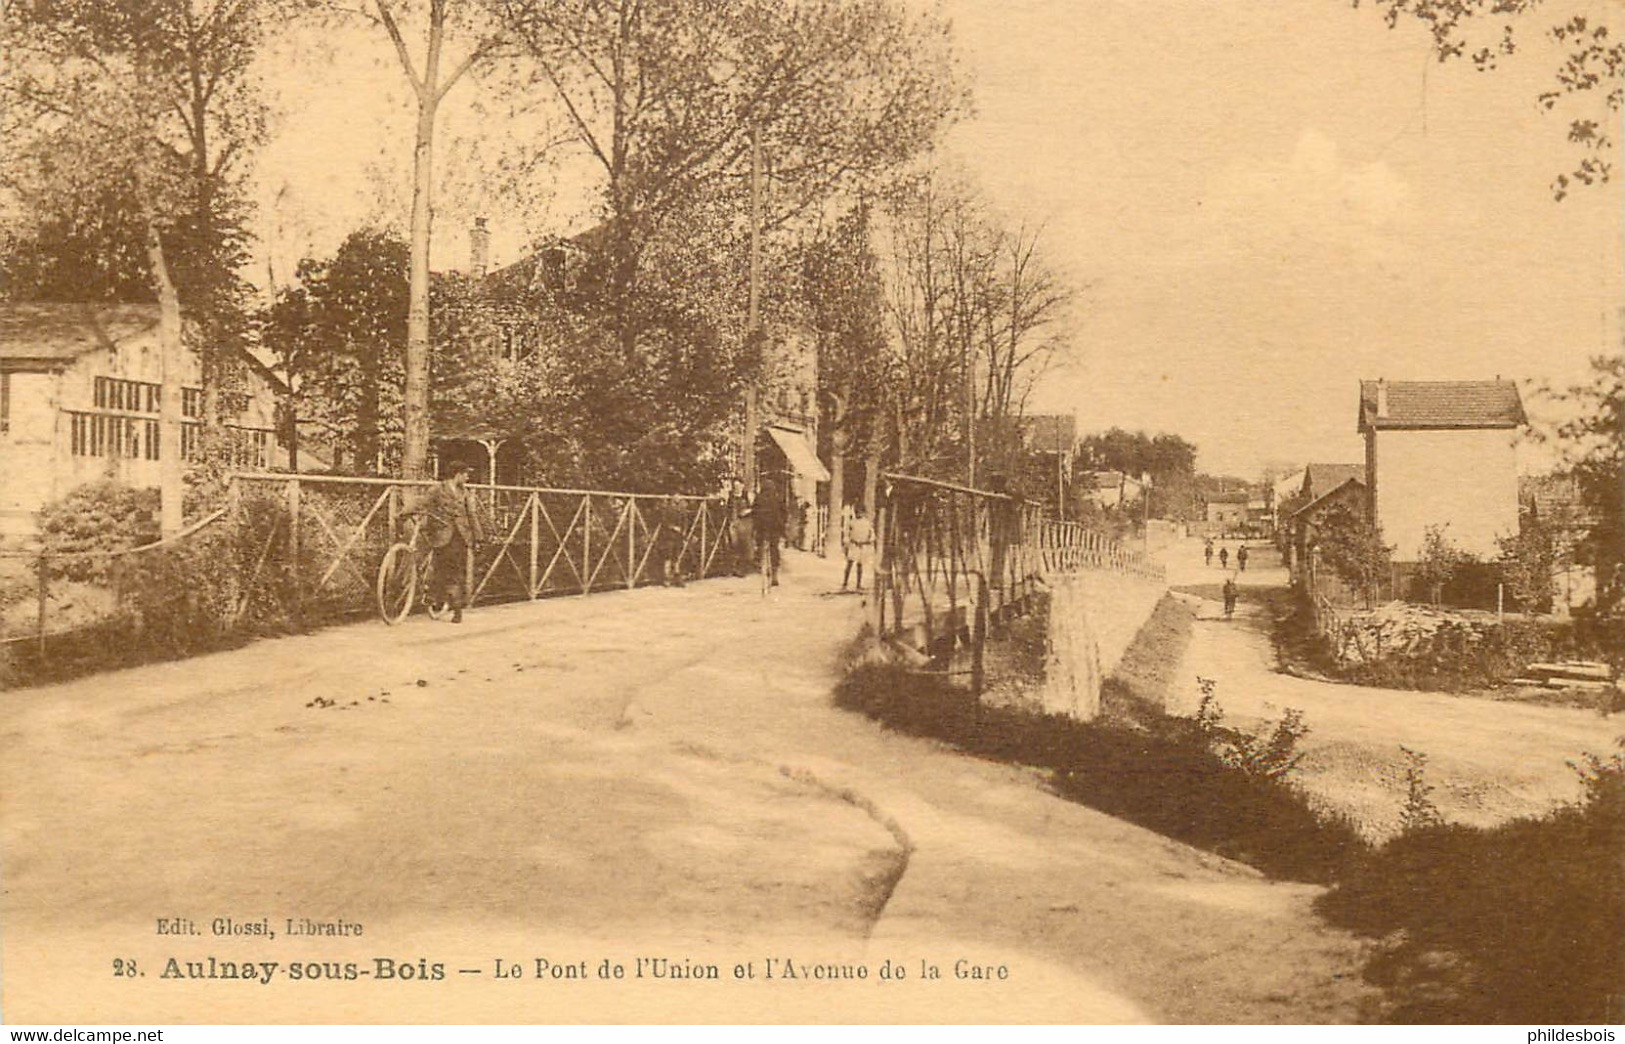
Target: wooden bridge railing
[[955, 560]]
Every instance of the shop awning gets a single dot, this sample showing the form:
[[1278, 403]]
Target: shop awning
[[799, 454]]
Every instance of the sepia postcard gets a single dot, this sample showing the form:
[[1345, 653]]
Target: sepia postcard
[[811, 512]]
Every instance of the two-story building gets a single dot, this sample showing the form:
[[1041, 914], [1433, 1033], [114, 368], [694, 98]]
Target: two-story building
[[1441, 453], [79, 399]]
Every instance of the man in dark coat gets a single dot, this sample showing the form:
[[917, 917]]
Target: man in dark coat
[[767, 522], [452, 526]]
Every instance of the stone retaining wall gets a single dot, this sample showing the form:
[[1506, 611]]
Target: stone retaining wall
[[1094, 617]]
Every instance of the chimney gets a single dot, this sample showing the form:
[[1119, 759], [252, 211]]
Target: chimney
[[479, 248], [1382, 397]]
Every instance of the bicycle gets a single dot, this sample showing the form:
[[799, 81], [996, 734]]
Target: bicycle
[[404, 576]]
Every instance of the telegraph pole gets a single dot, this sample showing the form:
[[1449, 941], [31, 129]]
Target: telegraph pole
[[753, 309]]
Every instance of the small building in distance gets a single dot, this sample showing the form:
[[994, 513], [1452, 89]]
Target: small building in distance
[[79, 399], [1227, 512], [1109, 489], [1305, 522], [1441, 453]]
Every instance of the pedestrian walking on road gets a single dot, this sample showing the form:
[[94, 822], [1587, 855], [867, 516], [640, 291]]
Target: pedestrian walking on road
[[1207, 554], [1224, 558], [859, 544], [1241, 557], [1229, 597], [767, 524]]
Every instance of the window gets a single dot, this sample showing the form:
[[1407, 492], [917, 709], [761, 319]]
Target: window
[[115, 393], [101, 435], [518, 341]]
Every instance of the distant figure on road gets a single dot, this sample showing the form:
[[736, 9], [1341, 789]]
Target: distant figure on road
[[859, 544], [1207, 553], [767, 523], [1241, 557], [1224, 558], [1229, 596]]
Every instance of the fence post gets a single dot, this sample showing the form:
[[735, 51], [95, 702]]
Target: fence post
[[394, 513], [882, 577], [631, 542], [978, 638], [44, 597], [705, 517], [535, 539], [586, 543], [294, 549]]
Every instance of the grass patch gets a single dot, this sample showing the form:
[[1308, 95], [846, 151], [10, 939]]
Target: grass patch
[[1519, 923], [1172, 775]]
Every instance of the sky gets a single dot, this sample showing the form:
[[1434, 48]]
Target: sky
[[1266, 203], [1262, 203]]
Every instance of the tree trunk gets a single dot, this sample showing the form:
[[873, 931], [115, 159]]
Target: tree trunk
[[415, 451], [871, 481], [838, 438], [171, 514]]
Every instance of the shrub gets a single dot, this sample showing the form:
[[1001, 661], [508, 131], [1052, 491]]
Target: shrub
[[1520, 923], [1179, 777], [94, 519]]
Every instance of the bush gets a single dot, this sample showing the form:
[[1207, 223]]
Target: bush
[[95, 519], [1521, 923], [211, 590]]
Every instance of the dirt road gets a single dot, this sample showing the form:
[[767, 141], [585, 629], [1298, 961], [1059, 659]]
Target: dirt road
[[1488, 761], [656, 773]]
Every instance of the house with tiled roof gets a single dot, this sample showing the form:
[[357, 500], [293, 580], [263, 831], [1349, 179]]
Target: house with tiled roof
[[1441, 453], [1326, 489], [79, 397]]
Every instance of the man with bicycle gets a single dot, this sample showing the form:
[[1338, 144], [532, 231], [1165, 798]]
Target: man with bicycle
[[767, 525], [452, 525]]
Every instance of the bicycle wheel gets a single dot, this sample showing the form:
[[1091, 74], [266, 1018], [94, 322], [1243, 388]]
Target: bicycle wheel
[[397, 584], [426, 586]]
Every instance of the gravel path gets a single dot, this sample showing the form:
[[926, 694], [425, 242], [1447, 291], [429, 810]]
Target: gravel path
[[655, 773]]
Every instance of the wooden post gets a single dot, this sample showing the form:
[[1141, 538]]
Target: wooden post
[[394, 513], [978, 639], [294, 549], [882, 571], [705, 516], [44, 597], [535, 538], [586, 543], [631, 542]]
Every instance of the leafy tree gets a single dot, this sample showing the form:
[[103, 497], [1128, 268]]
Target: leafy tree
[[1351, 545], [1168, 459], [1527, 560], [842, 293], [339, 334], [126, 118], [1594, 65], [1594, 442], [1440, 562], [668, 100]]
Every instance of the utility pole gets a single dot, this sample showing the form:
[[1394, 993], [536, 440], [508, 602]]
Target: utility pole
[[970, 417], [753, 330]]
